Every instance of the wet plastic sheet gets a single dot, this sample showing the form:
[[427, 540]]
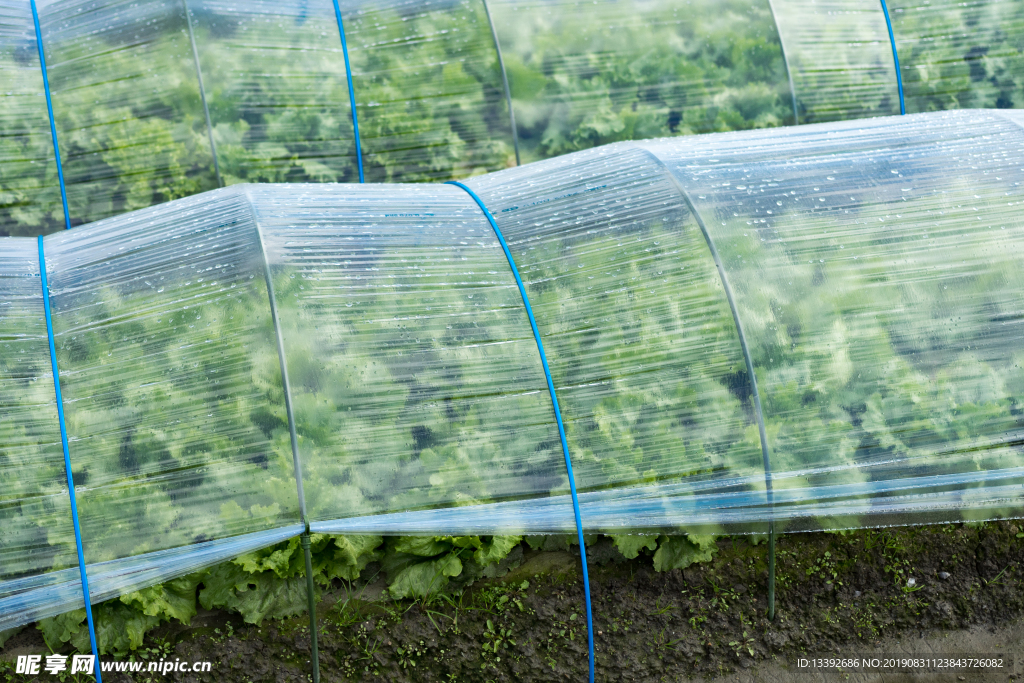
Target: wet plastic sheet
[[31, 599], [29, 192], [170, 377], [639, 335], [877, 268], [841, 58], [173, 402], [958, 55], [275, 82], [428, 90], [415, 377], [127, 104], [584, 74], [36, 537]]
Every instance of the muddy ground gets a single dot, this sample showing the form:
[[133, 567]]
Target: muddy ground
[[837, 593]]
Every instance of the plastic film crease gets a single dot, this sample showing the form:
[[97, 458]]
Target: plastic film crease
[[285, 384], [785, 61]]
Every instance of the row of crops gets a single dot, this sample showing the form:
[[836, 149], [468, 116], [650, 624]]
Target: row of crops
[[161, 99], [876, 272]]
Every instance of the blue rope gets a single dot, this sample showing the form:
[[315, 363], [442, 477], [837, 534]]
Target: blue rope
[[558, 416], [49, 110], [67, 461], [351, 90], [895, 57]]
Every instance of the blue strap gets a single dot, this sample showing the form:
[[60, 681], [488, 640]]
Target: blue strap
[[351, 90], [49, 110], [895, 57], [558, 416], [67, 461]]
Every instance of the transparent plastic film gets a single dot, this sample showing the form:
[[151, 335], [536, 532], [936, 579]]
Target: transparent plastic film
[[276, 88], [171, 378], [583, 74], [33, 598], [960, 55], [29, 192], [875, 267], [877, 271], [415, 378], [639, 335], [428, 90], [36, 537], [840, 57], [127, 104]]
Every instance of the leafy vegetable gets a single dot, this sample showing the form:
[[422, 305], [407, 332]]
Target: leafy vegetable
[[678, 552], [271, 584], [632, 70], [630, 545], [256, 596]]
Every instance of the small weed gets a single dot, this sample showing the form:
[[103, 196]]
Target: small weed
[[659, 609], [722, 596], [864, 621], [826, 567], [220, 636], [408, 655], [998, 580], [347, 615], [496, 638], [497, 599], [663, 644], [747, 643]]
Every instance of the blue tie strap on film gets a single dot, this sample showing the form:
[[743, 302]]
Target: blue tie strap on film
[[558, 416], [49, 111], [351, 90], [895, 57], [67, 462]]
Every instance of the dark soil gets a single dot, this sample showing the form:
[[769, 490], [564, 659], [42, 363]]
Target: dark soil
[[835, 591]]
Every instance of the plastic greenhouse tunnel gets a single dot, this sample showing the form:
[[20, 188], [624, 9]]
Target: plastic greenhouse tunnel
[[111, 106], [794, 329]]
